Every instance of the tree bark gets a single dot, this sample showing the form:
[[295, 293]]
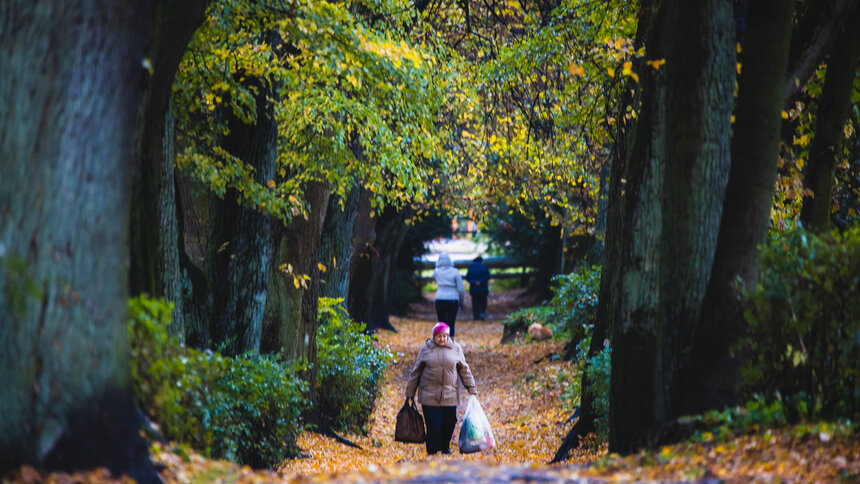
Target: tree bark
[[813, 37], [290, 320], [336, 245], [833, 108], [240, 243], [549, 261], [675, 183], [712, 373], [154, 233], [376, 244], [70, 93]]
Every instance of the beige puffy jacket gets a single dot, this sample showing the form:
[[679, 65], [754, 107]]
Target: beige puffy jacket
[[435, 374]]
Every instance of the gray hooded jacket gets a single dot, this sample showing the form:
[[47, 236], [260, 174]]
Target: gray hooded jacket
[[448, 281]]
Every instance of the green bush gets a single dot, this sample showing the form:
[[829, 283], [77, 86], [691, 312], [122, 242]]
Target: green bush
[[803, 338], [350, 370], [246, 409], [575, 301], [599, 370], [571, 312], [525, 317]]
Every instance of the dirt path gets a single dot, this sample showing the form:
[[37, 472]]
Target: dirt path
[[520, 397]]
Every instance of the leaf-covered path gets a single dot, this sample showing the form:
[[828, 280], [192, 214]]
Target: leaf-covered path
[[519, 396]]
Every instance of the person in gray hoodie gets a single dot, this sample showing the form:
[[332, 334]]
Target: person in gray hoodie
[[450, 291]]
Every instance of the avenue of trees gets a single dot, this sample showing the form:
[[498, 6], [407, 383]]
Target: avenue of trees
[[243, 158]]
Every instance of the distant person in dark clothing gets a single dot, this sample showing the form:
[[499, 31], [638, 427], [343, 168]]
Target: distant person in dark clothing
[[478, 277]]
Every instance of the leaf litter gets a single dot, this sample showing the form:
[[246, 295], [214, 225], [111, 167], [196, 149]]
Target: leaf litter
[[519, 389]]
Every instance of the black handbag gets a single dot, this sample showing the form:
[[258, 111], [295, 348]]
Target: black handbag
[[410, 424]]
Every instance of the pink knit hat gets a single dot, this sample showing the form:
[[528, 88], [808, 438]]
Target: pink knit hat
[[441, 328]]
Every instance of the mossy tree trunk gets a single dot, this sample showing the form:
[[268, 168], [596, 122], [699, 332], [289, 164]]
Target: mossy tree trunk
[[675, 182], [336, 245], [712, 373], [290, 319], [70, 94], [833, 107], [239, 253], [154, 232], [376, 243]]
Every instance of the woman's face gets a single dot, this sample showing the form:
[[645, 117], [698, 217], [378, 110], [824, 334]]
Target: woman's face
[[440, 338]]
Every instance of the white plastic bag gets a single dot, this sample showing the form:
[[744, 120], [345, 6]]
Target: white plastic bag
[[475, 432]]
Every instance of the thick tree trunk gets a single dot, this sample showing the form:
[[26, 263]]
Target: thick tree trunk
[[154, 248], [373, 258], [711, 371], [830, 117], [239, 255], [676, 177], [290, 321], [382, 305], [700, 70], [196, 296], [336, 245], [360, 262], [70, 94]]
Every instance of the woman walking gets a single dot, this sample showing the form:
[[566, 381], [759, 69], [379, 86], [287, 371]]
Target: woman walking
[[440, 362], [450, 292]]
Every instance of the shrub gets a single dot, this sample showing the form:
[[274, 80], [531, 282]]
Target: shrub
[[570, 313], [245, 409], [519, 321], [804, 323], [575, 301], [350, 370], [599, 370]]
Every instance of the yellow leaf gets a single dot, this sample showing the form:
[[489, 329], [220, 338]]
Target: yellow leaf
[[784, 114], [739, 68], [270, 183], [296, 282], [321, 266], [576, 70], [656, 64], [611, 71]]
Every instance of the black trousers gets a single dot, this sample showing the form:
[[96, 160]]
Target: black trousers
[[446, 311], [479, 305], [440, 423]]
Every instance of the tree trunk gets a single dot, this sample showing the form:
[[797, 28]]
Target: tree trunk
[[240, 243], [814, 36], [833, 108], [290, 320], [712, 373], [360, 262], [549, 261], [675, 183], [154, 248], [70, 94], [196, 296], [390, 247], [336, 245], [373, 258]]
